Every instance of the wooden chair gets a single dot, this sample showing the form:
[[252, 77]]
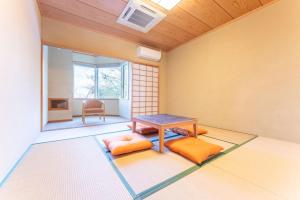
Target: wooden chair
[[93, 107]]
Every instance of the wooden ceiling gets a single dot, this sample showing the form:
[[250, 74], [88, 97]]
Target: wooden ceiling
[[189, 19]]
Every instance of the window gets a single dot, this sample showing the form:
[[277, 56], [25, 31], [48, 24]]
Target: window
[[125, 81], [101, 82], [109, 82], [84, 81]]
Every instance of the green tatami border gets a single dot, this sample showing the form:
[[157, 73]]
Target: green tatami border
[[115, 168], [181, 175], [84, 136], [172, 179]]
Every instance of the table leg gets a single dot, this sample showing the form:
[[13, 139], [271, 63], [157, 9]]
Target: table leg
[[195, 129], [161, 139], [133, 126]]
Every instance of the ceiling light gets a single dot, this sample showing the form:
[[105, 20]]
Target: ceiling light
[[167, 4]]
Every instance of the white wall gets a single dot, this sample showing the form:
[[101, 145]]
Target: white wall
[[20, 76], [243, 76], [84, 58], [60, 80], [45, 86]]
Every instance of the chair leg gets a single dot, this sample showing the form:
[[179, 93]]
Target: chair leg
[[103, 117]]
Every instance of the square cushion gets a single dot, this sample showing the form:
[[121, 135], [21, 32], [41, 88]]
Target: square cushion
[[193, 149], [144, 130], [127, 143], [188, 130]]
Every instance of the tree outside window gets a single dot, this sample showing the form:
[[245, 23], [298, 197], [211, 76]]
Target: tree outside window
[[109, 82], [84, 82], [102, 82]]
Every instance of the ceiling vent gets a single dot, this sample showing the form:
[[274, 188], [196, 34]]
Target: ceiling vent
[[140, 16]]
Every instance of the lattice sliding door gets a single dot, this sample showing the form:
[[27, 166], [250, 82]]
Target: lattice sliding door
[[145, 88]]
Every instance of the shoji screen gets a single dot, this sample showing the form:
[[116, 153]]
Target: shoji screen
[[144, 90]]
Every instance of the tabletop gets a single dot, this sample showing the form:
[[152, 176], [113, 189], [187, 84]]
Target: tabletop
[[164, 119]]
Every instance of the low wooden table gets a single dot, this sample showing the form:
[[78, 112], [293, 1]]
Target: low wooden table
[[162, 122]]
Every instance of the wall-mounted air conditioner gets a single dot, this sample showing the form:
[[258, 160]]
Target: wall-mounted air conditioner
[[148, 54], [140, 16]]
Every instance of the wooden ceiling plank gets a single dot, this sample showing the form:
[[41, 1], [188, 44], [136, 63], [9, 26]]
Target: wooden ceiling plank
[[223, 9], [265, 1], [237, 8], [60, 15], [206, 10], [54, 13], [79, 9], [172, 31], [104, 5], [96, 15], [114, 7], [181, 18], [118, 5], [189, 19]]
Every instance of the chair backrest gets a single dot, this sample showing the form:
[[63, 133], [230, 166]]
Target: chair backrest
[[92, 103]]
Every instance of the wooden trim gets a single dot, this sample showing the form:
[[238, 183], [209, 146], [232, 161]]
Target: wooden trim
[[41, 89], [95, 54], [60, 120], [53, 99], [131, 88]]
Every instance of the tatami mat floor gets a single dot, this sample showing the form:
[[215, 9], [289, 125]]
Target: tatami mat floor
[[49, 136], [64, 170], [61, 166], [211, 183], [146, 170], [76, 122]]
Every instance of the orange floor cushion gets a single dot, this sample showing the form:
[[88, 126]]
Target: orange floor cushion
[[144, 130], [188, 130], [194, 149], [127, 143]]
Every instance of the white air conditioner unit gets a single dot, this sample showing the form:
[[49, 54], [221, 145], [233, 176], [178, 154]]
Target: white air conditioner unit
[[148, 54], [140, 16]]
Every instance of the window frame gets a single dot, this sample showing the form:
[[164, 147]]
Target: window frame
[[123, 65], [96, 69]]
